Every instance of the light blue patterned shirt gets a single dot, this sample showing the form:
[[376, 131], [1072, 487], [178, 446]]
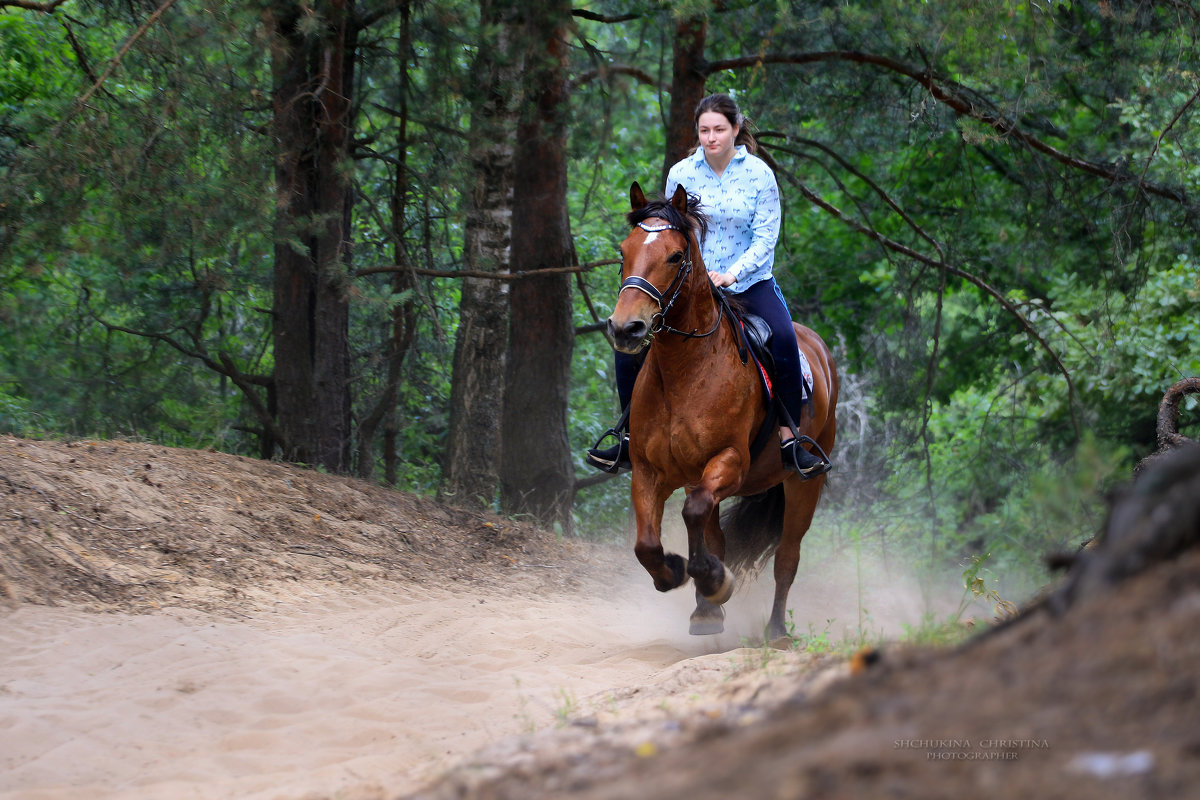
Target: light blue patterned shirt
[[743, 211]]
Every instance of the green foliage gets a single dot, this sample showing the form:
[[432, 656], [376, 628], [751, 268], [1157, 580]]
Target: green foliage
[[951, 629], [976, 588], [27, 54], [629, 150], [935, 631], [136, 214]]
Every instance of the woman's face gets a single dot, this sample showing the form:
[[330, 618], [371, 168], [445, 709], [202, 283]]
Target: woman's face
[[716, 136]]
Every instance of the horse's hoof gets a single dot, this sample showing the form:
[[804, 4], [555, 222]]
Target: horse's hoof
[[706, 627], [679, 574], [724, 591], [707, 623]]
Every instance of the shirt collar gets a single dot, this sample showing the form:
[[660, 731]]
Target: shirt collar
[[739, 154]]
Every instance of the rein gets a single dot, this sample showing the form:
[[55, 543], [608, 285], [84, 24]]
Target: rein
[[659, 321]]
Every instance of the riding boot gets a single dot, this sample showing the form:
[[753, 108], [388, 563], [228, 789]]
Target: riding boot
[[611, 459], [799, 459], [616, 458]]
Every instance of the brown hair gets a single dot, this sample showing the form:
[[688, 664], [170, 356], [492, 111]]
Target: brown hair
[[727, 107]]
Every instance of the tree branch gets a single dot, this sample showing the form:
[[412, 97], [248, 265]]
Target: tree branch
[[497, 276], [941, 264], [1158, 142], [583, 13], [116, 60], [369, 17], [261, 411], [427, 123], [224, 365], [959, 99], [875, 187], [643, 77], [81, 56], [113, 63], [593, 480], [30, 5]]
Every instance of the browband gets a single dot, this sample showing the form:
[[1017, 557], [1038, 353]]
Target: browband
[[656, 228]]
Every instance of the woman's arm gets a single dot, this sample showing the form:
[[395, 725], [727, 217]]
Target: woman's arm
[[758, 258]]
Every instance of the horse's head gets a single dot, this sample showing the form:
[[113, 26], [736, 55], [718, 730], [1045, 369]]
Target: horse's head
[[656, 262]]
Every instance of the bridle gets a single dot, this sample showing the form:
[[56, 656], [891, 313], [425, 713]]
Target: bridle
[[659, 321]]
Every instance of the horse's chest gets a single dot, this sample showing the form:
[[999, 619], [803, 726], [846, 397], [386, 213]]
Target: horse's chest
[[689, 445]]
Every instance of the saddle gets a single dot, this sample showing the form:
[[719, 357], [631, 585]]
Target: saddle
[[756, 341], [756, 337]]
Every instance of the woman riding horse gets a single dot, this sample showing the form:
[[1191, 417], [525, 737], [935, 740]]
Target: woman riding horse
[[697, 413], [740, 198]]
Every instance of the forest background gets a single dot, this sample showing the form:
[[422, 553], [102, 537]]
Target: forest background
[[378, 237]]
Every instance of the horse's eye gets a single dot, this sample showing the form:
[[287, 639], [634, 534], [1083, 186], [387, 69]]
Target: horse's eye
[[675, 258]]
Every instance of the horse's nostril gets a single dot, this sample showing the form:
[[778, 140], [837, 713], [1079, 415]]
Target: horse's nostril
[[628, 337], [635, 329]]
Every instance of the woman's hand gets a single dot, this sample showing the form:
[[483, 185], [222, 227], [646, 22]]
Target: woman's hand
[[721, 278]]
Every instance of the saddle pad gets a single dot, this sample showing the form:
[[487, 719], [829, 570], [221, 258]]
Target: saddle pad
[[806, 371]]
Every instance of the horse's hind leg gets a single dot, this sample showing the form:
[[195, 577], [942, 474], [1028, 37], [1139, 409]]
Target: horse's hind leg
[[801, 503]]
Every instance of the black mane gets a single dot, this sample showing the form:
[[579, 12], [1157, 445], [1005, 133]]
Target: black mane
[[662, 209]]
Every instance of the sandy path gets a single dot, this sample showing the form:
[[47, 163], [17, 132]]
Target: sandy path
[[335, 692], [313, 696]]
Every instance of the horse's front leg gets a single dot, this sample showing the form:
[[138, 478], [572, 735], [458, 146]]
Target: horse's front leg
[[668, 570], [709, 618], [713, 581]]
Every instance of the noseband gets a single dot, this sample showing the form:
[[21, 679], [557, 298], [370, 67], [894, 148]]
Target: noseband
[[659, 321]]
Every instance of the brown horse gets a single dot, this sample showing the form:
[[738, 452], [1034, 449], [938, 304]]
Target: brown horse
[[697, 408]]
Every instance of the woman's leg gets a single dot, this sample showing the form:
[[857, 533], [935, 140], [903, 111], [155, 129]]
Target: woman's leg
[[627, 368], [765, 300], [616, 457]]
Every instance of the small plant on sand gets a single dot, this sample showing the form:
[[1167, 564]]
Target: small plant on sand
[[752, 655], [953, 629], [935, 631], [975, 585], [818, 644], [566, 707]]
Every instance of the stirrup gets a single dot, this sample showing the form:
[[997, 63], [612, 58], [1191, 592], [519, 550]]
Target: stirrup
[[611, 459], [801, 461]]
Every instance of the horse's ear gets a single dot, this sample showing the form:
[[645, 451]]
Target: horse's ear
[[679, 200], [636, 198]]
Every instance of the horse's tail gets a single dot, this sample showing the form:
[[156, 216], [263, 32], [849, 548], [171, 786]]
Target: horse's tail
[[753, 527]]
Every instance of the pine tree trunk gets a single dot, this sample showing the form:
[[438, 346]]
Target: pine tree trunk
[[312, 111], [689, 71], [471, 465], [537, 477]]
